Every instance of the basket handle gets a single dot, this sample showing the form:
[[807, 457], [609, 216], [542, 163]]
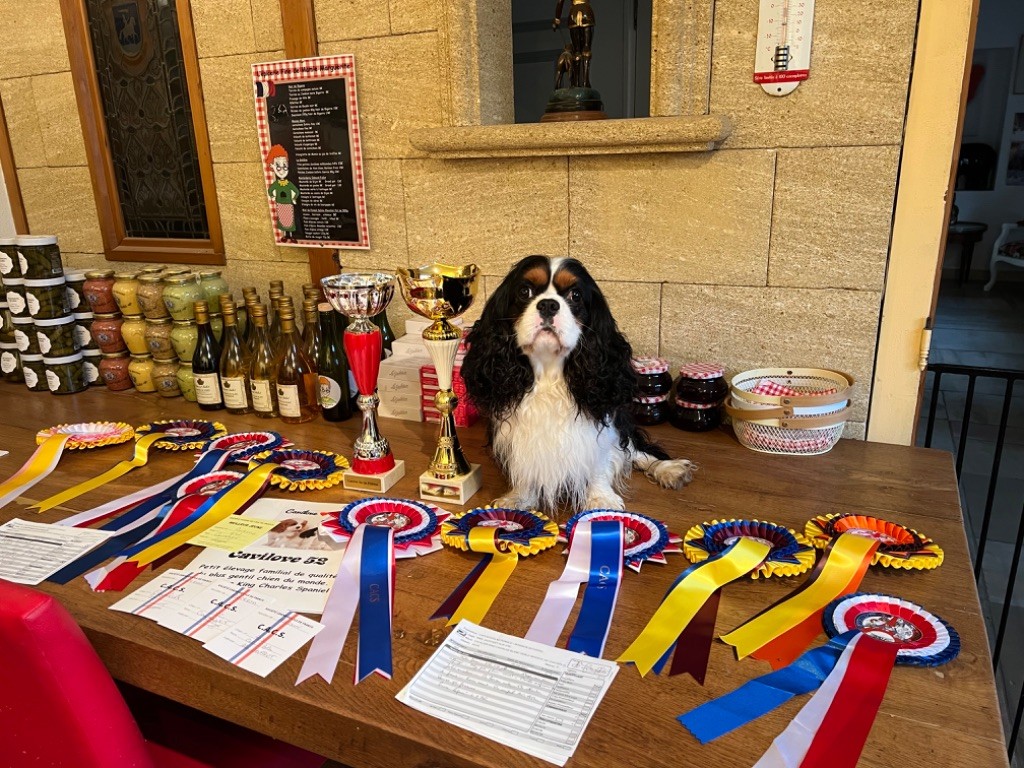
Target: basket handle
[[775, 417], [838, 396]]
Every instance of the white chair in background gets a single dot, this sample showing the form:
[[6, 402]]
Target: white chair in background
[[1009, 248]]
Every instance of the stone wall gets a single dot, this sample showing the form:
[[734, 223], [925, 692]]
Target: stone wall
[[770, 251]]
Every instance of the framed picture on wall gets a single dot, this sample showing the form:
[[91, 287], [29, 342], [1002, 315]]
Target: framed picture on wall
[[1015, 165]]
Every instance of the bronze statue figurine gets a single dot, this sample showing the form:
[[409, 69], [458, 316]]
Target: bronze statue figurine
[[578, 101], [581, 33]]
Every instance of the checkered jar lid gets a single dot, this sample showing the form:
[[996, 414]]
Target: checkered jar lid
[[652, 399], [649, 365], [702, 371]]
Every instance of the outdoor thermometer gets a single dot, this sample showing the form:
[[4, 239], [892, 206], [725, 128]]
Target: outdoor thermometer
[[783, 56]]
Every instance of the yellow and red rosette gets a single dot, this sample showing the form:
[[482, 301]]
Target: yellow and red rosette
[[790, 554], [93, 434], [184, 434], [898, 546], [301, 469]]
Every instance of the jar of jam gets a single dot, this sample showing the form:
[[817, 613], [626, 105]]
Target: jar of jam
[[99, 291], [181, 292], [165, 377], [106, 330], [65, 375], [114, 371], [695, 417], [56, 337], [213, 286], [140, 369], [39, 257], [74, 283], [697, 397], [48, 298], [184, 336], [650, 411], [126, 286], [158, 339], [34, 372], [653, 378], [91, 361], [150, 296], [16, 296], [133, 331], [187, 382]]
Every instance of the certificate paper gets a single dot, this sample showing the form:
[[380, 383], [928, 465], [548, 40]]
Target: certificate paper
[[31, 552], [261, 640], [523, 694]]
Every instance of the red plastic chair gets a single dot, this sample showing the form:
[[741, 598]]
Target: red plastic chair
[[60, 707]]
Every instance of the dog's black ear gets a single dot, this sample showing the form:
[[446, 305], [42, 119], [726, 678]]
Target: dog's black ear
[[496, 372], [598, 372]]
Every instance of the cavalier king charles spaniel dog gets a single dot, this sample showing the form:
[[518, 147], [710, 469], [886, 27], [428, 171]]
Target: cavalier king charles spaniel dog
[[550, 368]]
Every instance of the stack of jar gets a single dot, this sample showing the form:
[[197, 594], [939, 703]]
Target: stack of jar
[[41, 321], [697, 397], [650, 405]]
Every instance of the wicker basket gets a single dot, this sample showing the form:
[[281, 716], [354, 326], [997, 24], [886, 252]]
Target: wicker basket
[[790, 411]]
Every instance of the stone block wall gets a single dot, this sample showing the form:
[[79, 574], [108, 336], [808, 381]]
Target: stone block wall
[[769, 251]]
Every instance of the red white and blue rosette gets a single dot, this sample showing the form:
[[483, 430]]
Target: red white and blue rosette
[[645, 539], [922, 638], [417, 525], [245, 445], [208, 484], [791, 554], [183, 434], [302, 469]]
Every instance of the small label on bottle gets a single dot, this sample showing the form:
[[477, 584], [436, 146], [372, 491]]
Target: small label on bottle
[[207, 388], [288, 400], [8, 362], [234, 392], [262, 395], [330, 392]]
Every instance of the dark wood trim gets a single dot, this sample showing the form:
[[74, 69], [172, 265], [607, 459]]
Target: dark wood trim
[[11, 177], [116, 244]]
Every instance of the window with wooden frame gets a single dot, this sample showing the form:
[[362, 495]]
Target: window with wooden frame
[[139, 96]]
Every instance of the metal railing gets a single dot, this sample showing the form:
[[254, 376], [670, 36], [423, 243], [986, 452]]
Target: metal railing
[[981, 541]]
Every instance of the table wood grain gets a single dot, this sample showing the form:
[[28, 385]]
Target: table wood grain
[[947, 716]]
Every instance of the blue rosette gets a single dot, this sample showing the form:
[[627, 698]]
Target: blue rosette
[[183, 434], [417, 525], [519, 530], [791, 553], [645, 539], [923, 638], [245, 445]]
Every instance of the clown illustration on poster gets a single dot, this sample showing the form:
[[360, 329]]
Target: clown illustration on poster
[[308, 123]]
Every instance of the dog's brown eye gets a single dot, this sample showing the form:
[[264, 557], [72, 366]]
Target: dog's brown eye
[[575, 295], [525, 291]]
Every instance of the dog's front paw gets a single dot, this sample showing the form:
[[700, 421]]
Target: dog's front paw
[[671, 473], [605, 500], [513, 500]]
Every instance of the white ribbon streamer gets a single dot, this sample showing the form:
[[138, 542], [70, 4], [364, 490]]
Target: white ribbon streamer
[[84, 518], [561, 596]]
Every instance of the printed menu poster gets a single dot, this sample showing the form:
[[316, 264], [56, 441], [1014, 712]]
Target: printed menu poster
[[307, 116]]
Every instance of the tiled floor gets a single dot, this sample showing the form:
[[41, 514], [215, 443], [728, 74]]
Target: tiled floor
[[981, 329]]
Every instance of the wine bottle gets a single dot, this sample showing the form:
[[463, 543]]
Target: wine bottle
[[250, 332], [332, 367], [206, 362], [234, 363], [262, 381], [297, 383], [387, 335], [274, 320], [312, 336]]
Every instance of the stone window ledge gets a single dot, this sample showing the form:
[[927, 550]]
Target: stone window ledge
[[690, 133]]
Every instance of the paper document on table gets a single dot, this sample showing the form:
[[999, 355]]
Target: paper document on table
[[31, 552], [523, 694]]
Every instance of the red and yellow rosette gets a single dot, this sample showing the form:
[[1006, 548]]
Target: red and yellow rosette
[[184, 434], [301, 469], [502, 535], [790, 553], [898, 546]]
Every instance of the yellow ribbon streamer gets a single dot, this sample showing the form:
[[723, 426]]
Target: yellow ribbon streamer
[[139, 459], [229, 503], [847, 554], [35, 469], [476, 604], [685, 600]]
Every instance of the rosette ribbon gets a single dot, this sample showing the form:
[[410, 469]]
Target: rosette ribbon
[[595, 559], [417, 525], [687, 595], [782, 631], [139, 459], [366, 579], [40, 464], [898, 546]]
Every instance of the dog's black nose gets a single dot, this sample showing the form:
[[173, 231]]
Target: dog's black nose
[[548, 308]]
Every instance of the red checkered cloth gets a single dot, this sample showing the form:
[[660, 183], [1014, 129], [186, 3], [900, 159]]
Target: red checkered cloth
[[701, 371], [774, 389]]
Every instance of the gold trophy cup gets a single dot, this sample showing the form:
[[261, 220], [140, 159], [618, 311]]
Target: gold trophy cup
[[440, 292]]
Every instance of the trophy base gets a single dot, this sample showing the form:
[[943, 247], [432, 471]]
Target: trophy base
[[455, 490], [381, 483], [568, 104]]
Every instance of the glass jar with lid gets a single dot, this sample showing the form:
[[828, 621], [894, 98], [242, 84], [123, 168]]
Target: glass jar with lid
[[48, 298], [34, 372], [39, 257], [697, 397], [133, 331], [140, 369], [181, 292], [184, 336], [213, 286], [114, 371], [106, 330], [150, 296], [187, 382], [91, 362], [158, 338], [165, 377], [65, 375], [126, 286], [56, 337], [99, 291], [74, 283]]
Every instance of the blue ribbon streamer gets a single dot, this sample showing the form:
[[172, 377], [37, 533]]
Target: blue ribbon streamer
[[108, 549], [763, 694], [591, 630], [374, 604]]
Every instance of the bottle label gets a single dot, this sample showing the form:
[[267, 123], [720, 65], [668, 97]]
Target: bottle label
[[31, 379], [288, 400], [234, 392], [52, 381], [207, 388], [15, 302], [8, 361], [44, 342], [262, 395], [82, 336], [6, 264], [73, 298], [33, 304], [330, 392]]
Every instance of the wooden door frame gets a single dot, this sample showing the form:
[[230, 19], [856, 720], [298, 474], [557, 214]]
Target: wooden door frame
[[934, 125], [11, 177]]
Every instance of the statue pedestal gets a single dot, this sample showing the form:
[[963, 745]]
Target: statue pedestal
[[570, 104]]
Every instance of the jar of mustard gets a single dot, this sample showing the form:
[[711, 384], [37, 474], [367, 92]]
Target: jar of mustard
[[140, 369], [114, 371], [25, 336], [150, 296], [158, 338], [65, 375], [34, 372], [73, 284], [126, 286], [39, 257], [184, 336], [56, 337], [48, 298], [99, 291], [213, 286], [133, 331], [91, 362], [106, 330], [172, 271], [181, 292], [165, 377], [187, 382]]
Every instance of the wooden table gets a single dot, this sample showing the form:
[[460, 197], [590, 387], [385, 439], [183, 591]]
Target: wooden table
[[968, 234], [930, 717]]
